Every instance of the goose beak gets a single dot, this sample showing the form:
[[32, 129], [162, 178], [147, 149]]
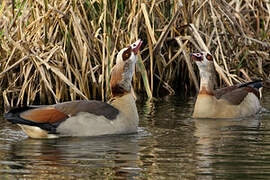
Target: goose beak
[[136, 46]]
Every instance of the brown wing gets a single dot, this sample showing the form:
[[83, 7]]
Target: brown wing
[[46, 114], [95, 107], [45, 117], [236, 97], [220, 92], [49, 117], [58, 112], [253, 86]]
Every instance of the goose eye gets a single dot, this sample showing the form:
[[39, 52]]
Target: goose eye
[[127, 53], [209, 57]]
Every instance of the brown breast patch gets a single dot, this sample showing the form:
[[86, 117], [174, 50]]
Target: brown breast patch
[[206, 92]]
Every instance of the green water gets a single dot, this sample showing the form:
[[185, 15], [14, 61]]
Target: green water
[[169, 145]]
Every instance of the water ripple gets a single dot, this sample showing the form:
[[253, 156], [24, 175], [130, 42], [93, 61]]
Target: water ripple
[[169, 145]]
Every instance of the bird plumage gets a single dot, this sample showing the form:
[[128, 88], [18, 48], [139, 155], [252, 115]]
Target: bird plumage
[[230, 102]]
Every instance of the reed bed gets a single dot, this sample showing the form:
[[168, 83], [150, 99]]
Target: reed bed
[[52, 51]]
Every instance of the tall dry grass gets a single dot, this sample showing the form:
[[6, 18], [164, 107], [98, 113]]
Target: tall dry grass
[[60, 50]]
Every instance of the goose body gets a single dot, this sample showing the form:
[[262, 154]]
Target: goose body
[[230, 102], [209, 106], [87, 118]]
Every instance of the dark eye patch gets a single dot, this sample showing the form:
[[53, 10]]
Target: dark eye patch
[[209, 57], [127, 53], [197, 57]]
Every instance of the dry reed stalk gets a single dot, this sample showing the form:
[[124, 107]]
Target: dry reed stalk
[[148, 24], [145, 77], [190, 68]]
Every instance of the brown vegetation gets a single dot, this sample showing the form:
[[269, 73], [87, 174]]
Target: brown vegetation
[[60, 50]]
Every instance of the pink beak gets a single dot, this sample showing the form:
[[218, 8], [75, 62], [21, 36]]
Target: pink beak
[[136, 46]]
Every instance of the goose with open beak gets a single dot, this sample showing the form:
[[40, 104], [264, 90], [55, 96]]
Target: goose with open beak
[[230, 102], [87, 118]]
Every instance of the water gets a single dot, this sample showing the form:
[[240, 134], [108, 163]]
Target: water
[[169, 145]]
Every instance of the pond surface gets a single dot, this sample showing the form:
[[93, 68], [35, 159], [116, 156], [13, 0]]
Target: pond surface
[[169, 145]]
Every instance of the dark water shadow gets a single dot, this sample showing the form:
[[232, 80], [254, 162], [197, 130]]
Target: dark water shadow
[[91, 157]]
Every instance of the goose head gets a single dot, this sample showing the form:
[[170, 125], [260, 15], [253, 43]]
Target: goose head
[[123, 70]]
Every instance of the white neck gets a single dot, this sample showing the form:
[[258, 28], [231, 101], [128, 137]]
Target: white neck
[[207, 81]]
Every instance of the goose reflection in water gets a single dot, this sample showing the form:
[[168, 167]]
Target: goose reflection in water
[[115, 156]]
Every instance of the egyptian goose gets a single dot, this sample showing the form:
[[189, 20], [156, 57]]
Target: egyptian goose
[[230, 102], [87, 118]]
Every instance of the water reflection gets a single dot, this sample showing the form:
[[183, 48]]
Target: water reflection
[[224, 143], [76, 157], [169, 145], [233, 148]]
